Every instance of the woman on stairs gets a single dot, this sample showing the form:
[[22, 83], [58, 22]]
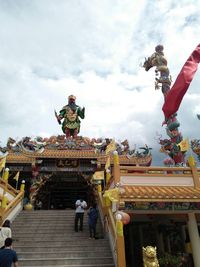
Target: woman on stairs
[[5, 232]]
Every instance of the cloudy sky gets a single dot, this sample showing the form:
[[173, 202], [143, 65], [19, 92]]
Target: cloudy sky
[[94, 49]]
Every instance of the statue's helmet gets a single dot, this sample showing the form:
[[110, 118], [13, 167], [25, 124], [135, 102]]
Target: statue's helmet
[[71, 97]]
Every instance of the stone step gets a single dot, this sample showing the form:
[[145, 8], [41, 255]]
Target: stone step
[[62, 261], [84, 234], [54, 239], [47, 236], [49, 217], [34, 214], [30, 228], [78, 248], [38, 226], [44, 213], [58, 254], [48, 229], [78, 265], [61, 243], [52, 248], [46, 224], [46, 220]]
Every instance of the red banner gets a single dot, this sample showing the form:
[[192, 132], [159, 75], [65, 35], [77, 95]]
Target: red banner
[[182, 83]]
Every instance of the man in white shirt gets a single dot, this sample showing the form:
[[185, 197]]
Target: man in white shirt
[[81, 205]]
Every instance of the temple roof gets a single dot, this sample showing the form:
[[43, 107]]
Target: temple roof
[[160, 193], [28, 150]]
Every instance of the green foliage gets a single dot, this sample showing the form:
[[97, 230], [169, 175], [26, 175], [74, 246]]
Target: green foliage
[[168, 260]]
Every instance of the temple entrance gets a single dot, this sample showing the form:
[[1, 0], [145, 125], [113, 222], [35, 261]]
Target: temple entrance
[[62, 190]]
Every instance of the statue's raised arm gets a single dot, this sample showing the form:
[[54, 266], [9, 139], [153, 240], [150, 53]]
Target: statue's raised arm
[[69, 115]]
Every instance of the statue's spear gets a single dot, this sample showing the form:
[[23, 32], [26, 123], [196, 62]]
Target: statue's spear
[[57, 117]]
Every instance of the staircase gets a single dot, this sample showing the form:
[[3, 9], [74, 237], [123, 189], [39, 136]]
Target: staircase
[[47, 238]]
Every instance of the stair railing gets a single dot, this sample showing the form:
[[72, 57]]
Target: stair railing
[[110, 226], [11, 201]]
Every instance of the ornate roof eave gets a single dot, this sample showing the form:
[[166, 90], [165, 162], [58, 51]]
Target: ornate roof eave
[[19, 158], [124, 160], [28, 157], [159, 200], [160, 194]]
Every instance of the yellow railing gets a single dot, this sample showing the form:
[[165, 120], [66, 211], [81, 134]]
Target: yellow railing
[[10, 207], [6, 186], [118, 246], [16, 195]]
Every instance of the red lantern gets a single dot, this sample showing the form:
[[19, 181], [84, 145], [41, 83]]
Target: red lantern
[[125, 217]]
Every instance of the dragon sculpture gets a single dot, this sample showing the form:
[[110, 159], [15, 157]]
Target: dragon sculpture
[[169, 146], [158, 60]]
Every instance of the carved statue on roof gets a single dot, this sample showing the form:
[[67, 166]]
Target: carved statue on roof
[[71, 114]]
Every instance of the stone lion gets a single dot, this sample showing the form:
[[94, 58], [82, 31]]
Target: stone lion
[[150, 257]]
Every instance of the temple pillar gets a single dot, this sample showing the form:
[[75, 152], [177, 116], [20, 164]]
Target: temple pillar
[[159, 237], [194, 238], [168, 244]]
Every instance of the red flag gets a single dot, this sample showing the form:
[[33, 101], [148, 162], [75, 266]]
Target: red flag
[[179, 88]]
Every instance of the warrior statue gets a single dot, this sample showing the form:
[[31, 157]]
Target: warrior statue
[[70, 115]]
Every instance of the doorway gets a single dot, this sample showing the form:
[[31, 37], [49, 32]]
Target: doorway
[[62, 190]]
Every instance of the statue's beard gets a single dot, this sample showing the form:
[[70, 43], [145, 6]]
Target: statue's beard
[[72, 105]]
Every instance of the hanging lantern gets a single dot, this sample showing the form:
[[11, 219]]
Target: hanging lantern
[[125, 217]]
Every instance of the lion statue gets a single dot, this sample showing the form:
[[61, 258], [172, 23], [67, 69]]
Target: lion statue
[[150, 257]]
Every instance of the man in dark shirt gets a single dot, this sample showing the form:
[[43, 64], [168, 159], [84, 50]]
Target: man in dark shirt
[[8, 255]]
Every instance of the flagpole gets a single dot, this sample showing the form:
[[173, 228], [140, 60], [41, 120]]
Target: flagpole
[[16, 184], [16, 178]]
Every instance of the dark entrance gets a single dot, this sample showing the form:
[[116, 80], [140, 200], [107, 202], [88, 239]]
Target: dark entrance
[[166, 234], [62, 190]]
